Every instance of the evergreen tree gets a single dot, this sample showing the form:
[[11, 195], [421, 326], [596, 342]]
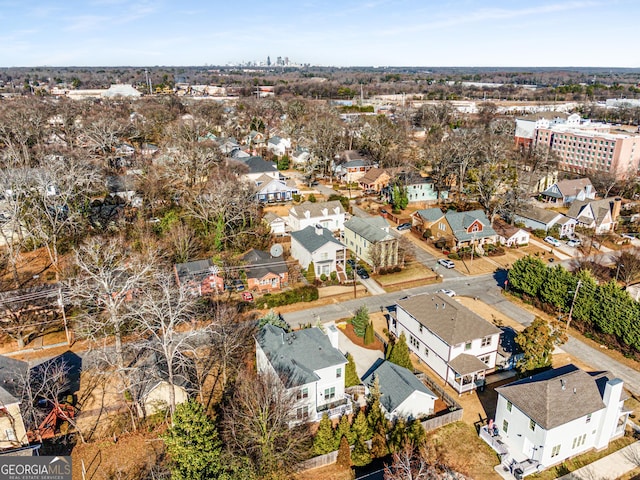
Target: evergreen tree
[[360, 320], [344, 454], [351, 378], [360, 426], [527, 275], [360, 455], [398, 435], [324, 441], [400, 353], [416, 434], [344, 430], [311, 273], [379, 447], [193, 444], [275, 319], [369, 336]]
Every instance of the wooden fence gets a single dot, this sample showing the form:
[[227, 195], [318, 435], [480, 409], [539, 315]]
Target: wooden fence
[[442, 420], [438, 390]]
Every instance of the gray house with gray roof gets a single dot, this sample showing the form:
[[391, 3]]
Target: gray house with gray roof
[[453, 341], [318, 245], [402, 394], [546, 418], [471, 227], [309, 365]]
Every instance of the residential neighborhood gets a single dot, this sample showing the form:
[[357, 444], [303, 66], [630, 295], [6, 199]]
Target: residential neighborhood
[[282, 271]]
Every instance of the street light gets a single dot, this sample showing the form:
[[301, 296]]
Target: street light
[[573, 302]]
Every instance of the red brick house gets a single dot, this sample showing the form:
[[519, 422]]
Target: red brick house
[[265, 273]]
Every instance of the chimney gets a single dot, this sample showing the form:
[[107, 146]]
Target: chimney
[[615, 208], [319, 229], [563, 383], [332, 333], [611, 399]]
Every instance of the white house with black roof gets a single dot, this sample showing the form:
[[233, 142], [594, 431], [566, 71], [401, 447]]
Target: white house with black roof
[[330, 215], [402, 393], [457, 344], [318, 245], [546, 418], [309, 365]]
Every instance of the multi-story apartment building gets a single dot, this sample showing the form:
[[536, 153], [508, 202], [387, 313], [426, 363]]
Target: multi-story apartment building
[[584, 146]]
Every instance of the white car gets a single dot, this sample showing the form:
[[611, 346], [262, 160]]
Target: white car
[[574, 242], [449, 293], [553, 241], [445, 262]]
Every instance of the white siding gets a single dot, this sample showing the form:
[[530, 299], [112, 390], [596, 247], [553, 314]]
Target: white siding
[[415, 406]]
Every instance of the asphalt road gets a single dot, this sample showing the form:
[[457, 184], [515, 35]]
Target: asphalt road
[[487, 288]]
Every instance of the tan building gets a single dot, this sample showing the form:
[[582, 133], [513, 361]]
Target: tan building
[[13, 434], [584, 147]]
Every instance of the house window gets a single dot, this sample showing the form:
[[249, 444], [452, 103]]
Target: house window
[[420, 328], [324, 256], [505, 426], [426, 352], [486, 341], [338, 372], [509, 406], [467, 346], [330, 393], [555, 451], [532, 425], [302, 393], [302, 412], [588, 418], [414, 342]]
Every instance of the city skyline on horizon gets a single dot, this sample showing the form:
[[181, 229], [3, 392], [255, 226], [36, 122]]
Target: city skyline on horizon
[[553, 34]]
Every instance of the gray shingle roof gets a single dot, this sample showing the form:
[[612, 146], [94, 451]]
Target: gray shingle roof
[[446, 318], [396, 384], [260, 263], [12, 375], [316, 209], [311, 240], [259, 165], [296, 356], [600, 208], [371, 229], [571, 187], [460, 221], [543, 398], [194, 269], [430, 214]]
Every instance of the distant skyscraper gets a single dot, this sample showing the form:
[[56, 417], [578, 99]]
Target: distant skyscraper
[[268, 61]]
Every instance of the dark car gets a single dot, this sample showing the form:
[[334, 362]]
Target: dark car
[[403, 226], [382, 211], [362, 273], [238, 285], [351, 262]]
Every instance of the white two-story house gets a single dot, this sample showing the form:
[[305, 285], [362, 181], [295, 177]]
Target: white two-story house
[[309, 365], [544, 419], [330, 215], [318, 245], [454, 342], [370, 240]]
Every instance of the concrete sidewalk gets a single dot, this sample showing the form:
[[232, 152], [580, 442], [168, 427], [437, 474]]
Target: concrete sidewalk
[[610, 467]]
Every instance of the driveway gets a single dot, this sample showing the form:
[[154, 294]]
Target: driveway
[[610, 467], [363, 357]]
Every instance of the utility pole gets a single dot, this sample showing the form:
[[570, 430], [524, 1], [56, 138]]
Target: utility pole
[[573, 302]]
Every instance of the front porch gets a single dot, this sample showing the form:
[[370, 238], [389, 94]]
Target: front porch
[[336, 408], [466, 373]]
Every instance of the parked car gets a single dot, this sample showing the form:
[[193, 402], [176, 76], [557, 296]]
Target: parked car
[[403, 226], [553, 241], [445, 262], [362, 273], [238, 285], [574, 242], [448, 293], [382, 211], [247, 296], [351, 262]]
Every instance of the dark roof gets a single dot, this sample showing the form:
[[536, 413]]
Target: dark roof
[[396, 384], [312, 239], [195, 269], [537, 214], [259, 264], [121, 183], [151, 369], [372, 175], [259, 165], [13, 374], [505, 230], [446, 318], [555, 397], [298, 355], [461, 221]]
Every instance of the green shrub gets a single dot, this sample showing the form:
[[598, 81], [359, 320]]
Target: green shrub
[[334, 276], [323, 277], [296, 197], [454, 256], [312, 198]]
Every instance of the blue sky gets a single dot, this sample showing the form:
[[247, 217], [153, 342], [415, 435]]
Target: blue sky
[[600, 33]]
